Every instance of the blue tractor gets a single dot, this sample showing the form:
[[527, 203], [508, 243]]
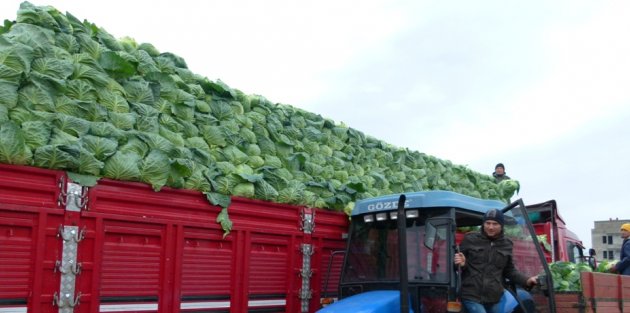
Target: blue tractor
[[402, 247]]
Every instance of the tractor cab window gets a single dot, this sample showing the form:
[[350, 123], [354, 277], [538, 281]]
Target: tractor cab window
[[427, 251], [527, 255], [373, 254], [527, 252]]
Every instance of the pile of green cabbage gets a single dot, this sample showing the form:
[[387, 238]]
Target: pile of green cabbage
[[74, 98], [566, 275]]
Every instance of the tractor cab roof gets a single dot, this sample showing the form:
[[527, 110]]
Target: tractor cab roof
[[426, 199]]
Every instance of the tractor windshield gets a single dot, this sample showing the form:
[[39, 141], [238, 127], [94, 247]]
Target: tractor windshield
[[373, 254]]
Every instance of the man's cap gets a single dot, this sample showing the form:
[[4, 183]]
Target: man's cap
[[625, 227], [499, 165], [497, 216]]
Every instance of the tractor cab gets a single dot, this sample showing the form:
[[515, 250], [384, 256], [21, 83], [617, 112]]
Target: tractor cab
[[435, 222]]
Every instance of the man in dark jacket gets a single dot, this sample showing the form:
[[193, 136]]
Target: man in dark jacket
[[499, 173], [623, 266], [486, 261]]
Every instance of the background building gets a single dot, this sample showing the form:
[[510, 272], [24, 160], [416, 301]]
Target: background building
[[606, 238]]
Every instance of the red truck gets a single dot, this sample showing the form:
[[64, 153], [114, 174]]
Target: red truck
[[121, 247], [600, 292], [561, 243]]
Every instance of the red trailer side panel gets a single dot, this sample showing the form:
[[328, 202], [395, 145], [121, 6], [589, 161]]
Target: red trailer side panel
[[29, 246], [138, 250]]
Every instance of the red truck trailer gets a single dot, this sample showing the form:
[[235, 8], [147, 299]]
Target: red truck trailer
[[122, 247], [601, 292]]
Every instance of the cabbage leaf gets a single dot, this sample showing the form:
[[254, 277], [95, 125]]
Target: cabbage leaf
[[13, 147]]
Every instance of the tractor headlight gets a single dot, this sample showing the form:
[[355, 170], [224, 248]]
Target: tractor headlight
[[412, 213], [368, 218], [381, 216]]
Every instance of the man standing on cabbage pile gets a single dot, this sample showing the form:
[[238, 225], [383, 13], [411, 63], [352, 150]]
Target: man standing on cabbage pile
[[499, 173], [623, 266]]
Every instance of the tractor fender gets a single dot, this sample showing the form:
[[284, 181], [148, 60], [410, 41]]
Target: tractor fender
[[379, 301]]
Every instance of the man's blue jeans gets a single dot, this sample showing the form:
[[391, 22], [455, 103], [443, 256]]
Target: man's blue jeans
[[476, 307], [506, 304]]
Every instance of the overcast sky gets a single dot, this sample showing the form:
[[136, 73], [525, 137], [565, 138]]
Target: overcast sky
[[542, 86]]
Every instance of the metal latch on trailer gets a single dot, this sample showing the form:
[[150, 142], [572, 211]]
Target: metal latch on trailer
[[308, 220], [73, 196]]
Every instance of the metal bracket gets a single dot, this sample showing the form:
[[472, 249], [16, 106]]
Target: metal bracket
[[65, 302], [72, 196], [62, 190], [305, 294], [74, 268], [73, 234], [306, 273], [307, 250], [69, 268], [308, 220]]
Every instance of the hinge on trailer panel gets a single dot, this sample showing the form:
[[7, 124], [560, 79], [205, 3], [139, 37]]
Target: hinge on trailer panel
[[74, 268], [62, 190], [306, 294], [65, 302], [308, 220], [306, 273], [72, 234], [307, 250], [72, 196]]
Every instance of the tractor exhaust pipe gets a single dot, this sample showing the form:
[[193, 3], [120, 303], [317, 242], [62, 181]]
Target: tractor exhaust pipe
[[402, 254]]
